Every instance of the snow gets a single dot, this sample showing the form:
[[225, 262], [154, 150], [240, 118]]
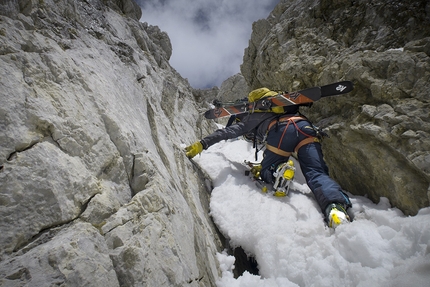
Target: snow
[[293, 246]]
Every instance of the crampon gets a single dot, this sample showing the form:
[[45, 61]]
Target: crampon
[[283, 177]]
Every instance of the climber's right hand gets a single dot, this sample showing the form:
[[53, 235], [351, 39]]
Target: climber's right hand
[[194, 149]]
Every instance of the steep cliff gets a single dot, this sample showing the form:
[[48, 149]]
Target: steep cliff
[[95, 189], [380, 132]]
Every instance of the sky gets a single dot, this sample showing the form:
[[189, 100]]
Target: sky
[[208, 36], [293, 246]]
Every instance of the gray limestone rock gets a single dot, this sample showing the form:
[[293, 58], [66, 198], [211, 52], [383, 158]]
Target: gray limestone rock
[[233, 88], [379, 144], [95, 188]]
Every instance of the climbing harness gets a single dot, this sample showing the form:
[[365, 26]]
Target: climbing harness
[[292, 120]]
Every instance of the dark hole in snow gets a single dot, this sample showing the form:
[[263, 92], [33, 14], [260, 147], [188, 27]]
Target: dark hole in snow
[[243, 263]]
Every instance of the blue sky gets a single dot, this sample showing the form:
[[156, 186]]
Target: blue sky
[[208, 36]]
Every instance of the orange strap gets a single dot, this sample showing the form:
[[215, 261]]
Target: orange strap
[[278, 151], [283, 153], [284, 119], [305, 142], [288, 119], [293, 119]]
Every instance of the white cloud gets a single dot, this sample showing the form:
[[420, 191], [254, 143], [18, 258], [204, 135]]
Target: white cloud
[[208, 36]]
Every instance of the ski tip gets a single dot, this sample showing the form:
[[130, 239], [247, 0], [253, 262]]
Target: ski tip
[[338, 88], [344, 87]]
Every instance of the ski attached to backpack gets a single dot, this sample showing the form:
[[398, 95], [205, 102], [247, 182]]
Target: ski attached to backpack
[[283, 99]]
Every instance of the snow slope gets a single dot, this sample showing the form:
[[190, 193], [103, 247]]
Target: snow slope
[[292, 244]]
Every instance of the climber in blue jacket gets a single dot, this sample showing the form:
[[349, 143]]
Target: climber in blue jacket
[[284, 135]]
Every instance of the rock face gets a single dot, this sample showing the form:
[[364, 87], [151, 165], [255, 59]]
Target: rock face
[[380, 132], [95, 189], [233, 88]]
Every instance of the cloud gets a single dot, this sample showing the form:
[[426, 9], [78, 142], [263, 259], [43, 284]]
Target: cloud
[[208, 36]]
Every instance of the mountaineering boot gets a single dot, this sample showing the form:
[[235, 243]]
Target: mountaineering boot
[[283, 175], [255, 171], [336, 215]]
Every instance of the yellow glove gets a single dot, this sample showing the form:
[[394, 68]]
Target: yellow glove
[[194, 149]]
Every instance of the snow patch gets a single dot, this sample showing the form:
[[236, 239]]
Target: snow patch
[[292, 244]]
